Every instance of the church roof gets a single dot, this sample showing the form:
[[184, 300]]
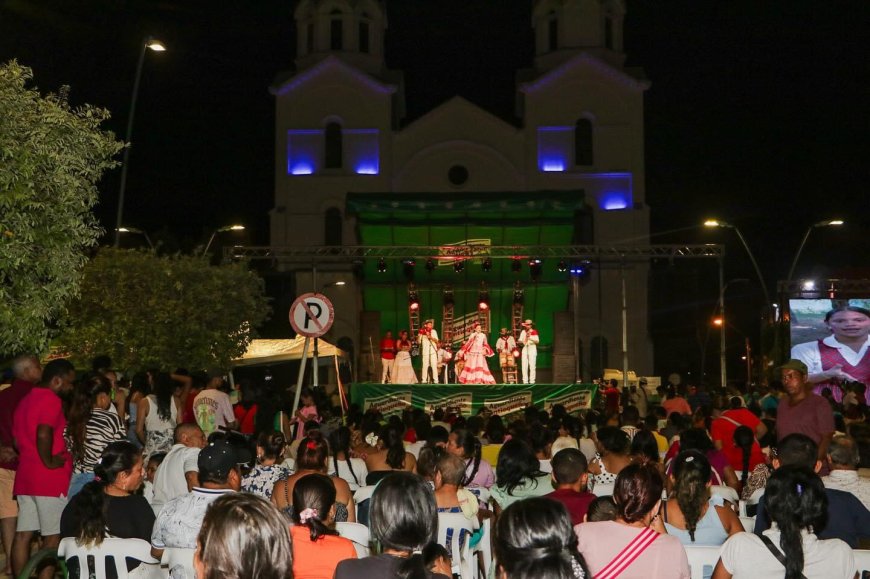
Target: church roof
[[458, 106], [284, 84], [585, 59]]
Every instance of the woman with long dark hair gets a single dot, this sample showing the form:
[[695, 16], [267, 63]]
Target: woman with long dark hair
[[157, 415], [534, 540], [140, 387], [90, 428], [389, 456], [404, 521], [614, 454], [243, 537], [268, 470], [353, 470], [518, 475], [744, 442], [798, 507], [109, 505], [317, 548], [690, 513], [478, 472]]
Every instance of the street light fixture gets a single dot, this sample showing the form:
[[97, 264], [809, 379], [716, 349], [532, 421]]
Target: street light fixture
[[825, 223], [222, 230], [726, 225], [137, 232], [720, 322], [150, 43]]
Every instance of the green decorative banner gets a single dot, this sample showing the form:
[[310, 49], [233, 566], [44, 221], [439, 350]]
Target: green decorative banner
[[467, 400]]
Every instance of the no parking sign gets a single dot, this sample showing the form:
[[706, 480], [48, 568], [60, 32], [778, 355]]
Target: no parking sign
[[311, 315]]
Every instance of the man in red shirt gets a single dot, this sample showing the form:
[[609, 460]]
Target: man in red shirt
[[570, 478], [722, 432], [388, 355], [611, 398], [27, 372]]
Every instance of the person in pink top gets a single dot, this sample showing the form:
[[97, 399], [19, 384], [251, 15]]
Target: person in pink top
[[673, 402], [307, 411], [635, 545], [44, 464]]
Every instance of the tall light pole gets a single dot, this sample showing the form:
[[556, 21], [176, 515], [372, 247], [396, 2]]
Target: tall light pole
[[718, 223], [137, 232], [723, 372], [149, 43], [315, 377], [221, 230], [825, 223]]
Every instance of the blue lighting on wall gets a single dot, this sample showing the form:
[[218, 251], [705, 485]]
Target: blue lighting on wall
[[615, 200], [552, 165], [367, 169], [302, 168]]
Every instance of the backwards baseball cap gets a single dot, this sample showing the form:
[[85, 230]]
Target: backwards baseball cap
[[795, 365], [220, 457]]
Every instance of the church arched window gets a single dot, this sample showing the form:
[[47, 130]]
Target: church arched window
[[364, 33], [332, 152], [552, 31], [332, 227], [336, 30], [584, 153]]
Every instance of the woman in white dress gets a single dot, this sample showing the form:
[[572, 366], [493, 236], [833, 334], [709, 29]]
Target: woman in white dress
[[403, 371]]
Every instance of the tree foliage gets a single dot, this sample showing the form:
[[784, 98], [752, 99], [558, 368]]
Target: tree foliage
[[167, 311], [51, 157]]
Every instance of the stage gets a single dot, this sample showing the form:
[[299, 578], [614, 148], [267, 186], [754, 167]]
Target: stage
[[502, 399]]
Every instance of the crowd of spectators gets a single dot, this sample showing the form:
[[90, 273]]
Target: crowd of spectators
[[259, 489]]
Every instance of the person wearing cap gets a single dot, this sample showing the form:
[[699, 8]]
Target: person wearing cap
[[388, 355], [529, 339], [428, 339], [212, 406], [178, 524], [505, 346], [801, 411]]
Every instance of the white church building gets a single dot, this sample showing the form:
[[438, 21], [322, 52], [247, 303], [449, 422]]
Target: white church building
[[340, 130]]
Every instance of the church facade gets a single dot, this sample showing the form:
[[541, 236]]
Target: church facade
[[340, 130]]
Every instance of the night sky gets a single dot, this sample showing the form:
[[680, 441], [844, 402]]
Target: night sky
[[759, 112]]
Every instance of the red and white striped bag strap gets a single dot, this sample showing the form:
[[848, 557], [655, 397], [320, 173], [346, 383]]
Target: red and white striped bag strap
[[627, 556]]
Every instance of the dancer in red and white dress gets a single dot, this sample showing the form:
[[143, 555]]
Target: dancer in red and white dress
[[474, 352]]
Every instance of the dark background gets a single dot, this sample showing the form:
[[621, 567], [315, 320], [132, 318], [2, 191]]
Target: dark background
[[757, 114]]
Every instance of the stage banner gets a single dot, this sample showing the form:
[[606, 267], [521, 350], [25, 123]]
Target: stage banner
[[503, 400]]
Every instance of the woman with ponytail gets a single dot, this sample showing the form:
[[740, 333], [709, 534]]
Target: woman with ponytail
[[798, 508], [745, 445], [478, 472], [534, 540], [109, 506], [389, 456], [691, 514], [317, 548], [353, 470], [90, 428], [404, 521]]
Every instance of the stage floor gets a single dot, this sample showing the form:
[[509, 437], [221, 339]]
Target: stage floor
[[502, 399]]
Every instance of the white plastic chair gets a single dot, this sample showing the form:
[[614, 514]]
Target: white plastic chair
[[748, 523], [358, 534], [862, 560], [699, 557], [725, 492], [119, 549], [178, 557], [454, 532], [603, 489]]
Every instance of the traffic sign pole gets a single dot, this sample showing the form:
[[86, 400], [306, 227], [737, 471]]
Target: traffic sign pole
[[299, 380]]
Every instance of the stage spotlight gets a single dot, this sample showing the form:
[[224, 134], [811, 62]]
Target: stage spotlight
[[459, 265], [580, 269], [447, 295], [413, 298], [430, 265], [562, 267], [519, 294], [516, 265], [483, 298], [382, 265], [535, 267], [487, 265], [408, 266]]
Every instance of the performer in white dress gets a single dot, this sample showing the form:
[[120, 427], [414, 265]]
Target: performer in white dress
[[474, 352], [428, 339], [529, 339], [403, 371]]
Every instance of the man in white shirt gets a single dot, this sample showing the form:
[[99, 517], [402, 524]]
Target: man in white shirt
[[843, 458], [529, 339], [178, 473], [429, 352], [212, 407], [505, 346]]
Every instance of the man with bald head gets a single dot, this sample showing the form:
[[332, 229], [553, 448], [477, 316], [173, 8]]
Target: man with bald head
[[178, 473], [843, 459]]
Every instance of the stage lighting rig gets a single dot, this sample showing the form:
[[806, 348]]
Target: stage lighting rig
[[413, 298], [487, 265], [430, 265], [483, 298], [562, 267], [447, 295], [535, 267], [408, 266], [516, 265], [579, 269], [459, 265], [382, 265]]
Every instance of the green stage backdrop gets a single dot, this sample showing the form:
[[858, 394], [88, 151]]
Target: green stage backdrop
[[542, 218], [468, 399]]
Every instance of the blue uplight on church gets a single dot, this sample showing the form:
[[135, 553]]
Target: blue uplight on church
[[552, 165], [302, 168], [614, 200], [367, 169]]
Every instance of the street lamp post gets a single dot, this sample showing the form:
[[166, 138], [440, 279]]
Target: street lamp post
[[221, 230], [826, 223], [137, 232], [153, 44], [723, 373], [718, 223]]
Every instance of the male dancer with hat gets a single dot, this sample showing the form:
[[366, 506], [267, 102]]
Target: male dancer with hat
[[529, 339], [428, 339], [505, 346]]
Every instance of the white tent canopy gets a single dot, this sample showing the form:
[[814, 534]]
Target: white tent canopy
[[284, 350]]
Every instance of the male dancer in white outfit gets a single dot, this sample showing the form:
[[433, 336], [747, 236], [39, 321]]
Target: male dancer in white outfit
[[505, 346], [428, 339], [529, 339]]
